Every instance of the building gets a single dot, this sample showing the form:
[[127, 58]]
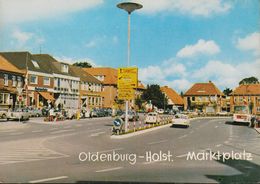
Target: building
[[90, 89], [108, 77], [205, 97], [174, 99], [246, 95], [66, 85], [11, 85], [39, 81]]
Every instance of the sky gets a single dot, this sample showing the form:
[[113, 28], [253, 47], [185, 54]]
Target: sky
[[173, 42]]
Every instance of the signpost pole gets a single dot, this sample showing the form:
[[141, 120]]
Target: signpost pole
[[129, 7]]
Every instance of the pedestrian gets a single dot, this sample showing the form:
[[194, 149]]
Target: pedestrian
[[51, 114]]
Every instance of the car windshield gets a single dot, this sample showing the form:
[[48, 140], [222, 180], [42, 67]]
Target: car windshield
[[241, 109]]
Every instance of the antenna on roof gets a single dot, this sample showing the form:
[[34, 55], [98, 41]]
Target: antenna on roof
[[40, 49]]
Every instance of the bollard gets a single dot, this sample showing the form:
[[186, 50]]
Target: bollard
[[134, 126], [140, 124]]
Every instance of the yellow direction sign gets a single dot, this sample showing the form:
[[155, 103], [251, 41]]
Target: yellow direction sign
[[127, 78], [126, 94]]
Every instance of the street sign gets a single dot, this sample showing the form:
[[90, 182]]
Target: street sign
[[126, 94], [127, 77]]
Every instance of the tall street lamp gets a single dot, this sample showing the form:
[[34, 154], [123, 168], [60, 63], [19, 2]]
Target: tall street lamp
[[129, 7]]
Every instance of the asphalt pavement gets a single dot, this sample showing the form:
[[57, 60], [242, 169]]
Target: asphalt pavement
[[82, 151]]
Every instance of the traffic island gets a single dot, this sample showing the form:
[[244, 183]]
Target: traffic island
[[166, 122]]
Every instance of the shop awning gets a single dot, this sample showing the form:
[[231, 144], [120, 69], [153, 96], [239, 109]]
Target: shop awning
[[47, 96]]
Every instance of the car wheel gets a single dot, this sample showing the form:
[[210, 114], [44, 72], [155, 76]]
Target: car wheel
[[4, 116]]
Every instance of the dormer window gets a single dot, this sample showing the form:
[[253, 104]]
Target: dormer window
[[35, 64], [65, 68]]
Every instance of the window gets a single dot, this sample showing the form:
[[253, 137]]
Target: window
[[46, 81], [193, 98], [4, 98], [65, 68], [33, 79], [20, 82], [258, 109], [14, 81], [35, 64], [6, 79]]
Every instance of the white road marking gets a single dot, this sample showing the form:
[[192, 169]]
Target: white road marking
[[180, 156], [110, 169], [226, 142], [54, 129], [182, 136], [94, 130], [62, 131], [48, 179], [216, 126], [157, 142], [147, 163], [191, 132], [218, 145], [17, 133], [97, 134], [37, 131]]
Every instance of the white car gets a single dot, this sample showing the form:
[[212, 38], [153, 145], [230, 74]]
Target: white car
[[160, 111], [152, 117], [18, 115], [181, 120]]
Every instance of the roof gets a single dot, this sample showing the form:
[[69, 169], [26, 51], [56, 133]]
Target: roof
[[203, 89], [6, 66], [247, 89], [84, 76], [24, 60], [173, 95], [109, 73], [140, 85]]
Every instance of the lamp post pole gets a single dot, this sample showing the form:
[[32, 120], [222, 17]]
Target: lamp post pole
[[129, 7]]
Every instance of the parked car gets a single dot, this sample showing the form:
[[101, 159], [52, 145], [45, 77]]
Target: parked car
[[222, 113], [18, 114], [132, 116], [33, 112], [3, 114], [152, 117], [160, 111], [181, 120]]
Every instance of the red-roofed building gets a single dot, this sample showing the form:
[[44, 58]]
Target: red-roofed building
[[246, 95], [174, 99], [205, 97], [11, 85]]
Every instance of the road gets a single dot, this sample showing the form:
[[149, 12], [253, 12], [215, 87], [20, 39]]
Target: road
[[35, 152]]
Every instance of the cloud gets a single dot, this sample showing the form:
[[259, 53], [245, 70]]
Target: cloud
[[30, 10], [250, 43], [165, 74], [101, 40], [23, 40], [204, 8], [227, 75], [201, 47]]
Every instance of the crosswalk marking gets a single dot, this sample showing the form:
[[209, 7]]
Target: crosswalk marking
[[26, 151]]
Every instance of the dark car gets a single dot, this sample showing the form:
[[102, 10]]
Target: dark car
[[132, 116]]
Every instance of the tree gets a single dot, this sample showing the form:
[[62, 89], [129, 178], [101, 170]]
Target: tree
[[154, 93], [227, 91], [139, 102], [249, 80], [83, 64]]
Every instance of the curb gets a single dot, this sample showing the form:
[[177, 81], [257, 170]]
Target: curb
[[155, 128], [139, 132]]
